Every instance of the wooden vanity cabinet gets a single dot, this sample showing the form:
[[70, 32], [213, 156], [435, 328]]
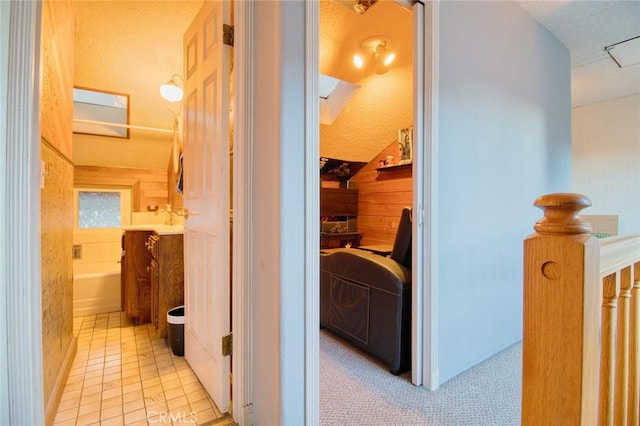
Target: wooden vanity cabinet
[[136, 283], [166, 277]]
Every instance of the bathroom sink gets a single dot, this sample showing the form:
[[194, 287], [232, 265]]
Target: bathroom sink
[[169, 229], [159, 228]]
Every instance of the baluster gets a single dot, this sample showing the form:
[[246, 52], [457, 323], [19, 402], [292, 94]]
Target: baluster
[[634, 350], [561, 316], [622, 348], [610, 293]]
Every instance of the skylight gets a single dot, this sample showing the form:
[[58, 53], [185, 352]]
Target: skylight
[[97, 112], [327, 85], [334, 96]]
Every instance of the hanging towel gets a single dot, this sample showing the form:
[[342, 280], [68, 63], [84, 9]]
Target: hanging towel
[[179, 188]]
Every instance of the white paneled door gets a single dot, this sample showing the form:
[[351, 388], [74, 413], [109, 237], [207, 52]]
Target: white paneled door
[[206, 198]]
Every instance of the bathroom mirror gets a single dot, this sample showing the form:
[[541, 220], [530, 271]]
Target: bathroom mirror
[[99, 112]]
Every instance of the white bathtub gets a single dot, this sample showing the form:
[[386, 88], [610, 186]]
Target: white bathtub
[[96, 292]]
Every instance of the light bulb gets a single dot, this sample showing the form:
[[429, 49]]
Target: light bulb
[[389, 59], [171, 92], [357, 61]]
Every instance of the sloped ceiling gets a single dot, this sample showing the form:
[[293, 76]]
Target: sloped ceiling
[[131, 47], [383, 103], [134, 46]]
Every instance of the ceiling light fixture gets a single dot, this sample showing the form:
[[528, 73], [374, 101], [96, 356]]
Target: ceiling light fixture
[[171, 91], [379, 48], [362, 6], [625, 53]]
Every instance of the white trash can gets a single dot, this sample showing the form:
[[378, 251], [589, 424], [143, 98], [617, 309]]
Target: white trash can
[[175, 320]]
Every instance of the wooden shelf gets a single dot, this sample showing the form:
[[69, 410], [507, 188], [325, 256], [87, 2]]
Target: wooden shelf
[[395, 167]]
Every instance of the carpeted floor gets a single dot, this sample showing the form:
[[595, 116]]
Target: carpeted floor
[[356, 389]]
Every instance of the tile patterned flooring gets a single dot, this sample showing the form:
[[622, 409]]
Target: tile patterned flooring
[[124, 375]]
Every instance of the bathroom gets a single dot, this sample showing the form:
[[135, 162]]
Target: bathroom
[[132, 169]]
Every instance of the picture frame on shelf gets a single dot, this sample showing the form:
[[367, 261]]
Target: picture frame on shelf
[[405, 145]]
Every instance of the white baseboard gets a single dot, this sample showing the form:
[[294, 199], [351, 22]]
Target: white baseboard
[[434, 382]]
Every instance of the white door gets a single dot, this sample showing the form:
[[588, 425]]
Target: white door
[[206, 198]]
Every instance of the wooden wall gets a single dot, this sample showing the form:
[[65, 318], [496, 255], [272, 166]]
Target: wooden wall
[[56, 100], [56, 210], [381, 197], [148, 186]]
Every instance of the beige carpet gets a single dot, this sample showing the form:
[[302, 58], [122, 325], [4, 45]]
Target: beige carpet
[[356, 389]]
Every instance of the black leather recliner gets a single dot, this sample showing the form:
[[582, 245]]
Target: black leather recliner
[[365, 298]]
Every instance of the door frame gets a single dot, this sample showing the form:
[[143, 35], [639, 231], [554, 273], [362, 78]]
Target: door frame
[[242, 195], [21, 245], [22, 204], [425, 297], [429, 195], [21, 387]]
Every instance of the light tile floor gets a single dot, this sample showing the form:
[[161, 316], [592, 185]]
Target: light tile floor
[[124, 375]]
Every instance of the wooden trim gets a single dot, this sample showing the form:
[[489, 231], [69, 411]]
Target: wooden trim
[[565, 311], [148, 186], [616, 252], [51, 408], [136, 195], [162, 174], [56, 151], [394, 168]]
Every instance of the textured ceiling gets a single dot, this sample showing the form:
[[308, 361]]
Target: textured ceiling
[[342, 32], [585, 28], [134, 46], [131, 47], [383, 103]]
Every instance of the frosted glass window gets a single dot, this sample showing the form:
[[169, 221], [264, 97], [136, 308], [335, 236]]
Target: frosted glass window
[[98, 209]]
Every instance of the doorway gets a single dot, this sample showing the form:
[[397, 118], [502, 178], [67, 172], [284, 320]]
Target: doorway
[[377, 117], [99, 215], [25, 247], [424, 296], [23, 155]]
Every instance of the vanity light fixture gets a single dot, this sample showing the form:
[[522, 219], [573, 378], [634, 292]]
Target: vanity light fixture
[[171, 91], [378, 48]]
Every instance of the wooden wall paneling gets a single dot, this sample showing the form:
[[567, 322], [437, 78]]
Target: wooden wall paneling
[[382, 195], [338, 202], [148, 186], [375, 198], [56, 209], [136, 206], [56, 101]]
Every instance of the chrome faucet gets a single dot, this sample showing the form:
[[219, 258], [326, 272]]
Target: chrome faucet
[[174, 213], [167, 209]]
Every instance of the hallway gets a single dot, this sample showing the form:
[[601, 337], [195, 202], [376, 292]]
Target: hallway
[[124, 375]]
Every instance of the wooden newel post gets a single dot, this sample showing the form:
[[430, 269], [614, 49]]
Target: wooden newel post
[[561, 316]]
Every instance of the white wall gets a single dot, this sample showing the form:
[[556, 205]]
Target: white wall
[[278, 189], [505, 138], [606, 159]]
